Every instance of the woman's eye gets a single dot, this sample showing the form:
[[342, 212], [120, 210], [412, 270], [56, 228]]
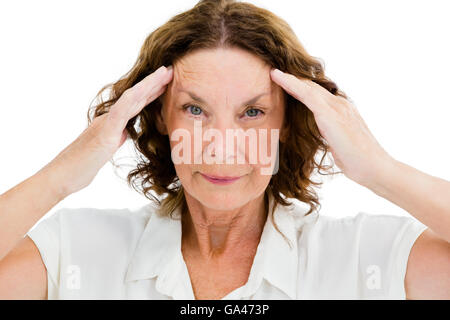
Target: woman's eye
[[193, 109], [253, 112], [197, 111]]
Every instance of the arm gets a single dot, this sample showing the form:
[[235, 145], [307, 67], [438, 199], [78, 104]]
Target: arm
[[23, 205], [427, 198], [23, 274], [428, 270], [363, 160], [70, 171]]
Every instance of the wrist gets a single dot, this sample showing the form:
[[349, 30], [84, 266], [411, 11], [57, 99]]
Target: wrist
[[383, 174], [52, 179]]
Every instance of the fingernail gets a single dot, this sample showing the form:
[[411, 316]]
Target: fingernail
[[170, 68], [277, 71], [160, 70]]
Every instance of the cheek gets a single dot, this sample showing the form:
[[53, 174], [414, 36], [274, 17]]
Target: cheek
[[263, 155], [182, 144], [257, 181], [182, 151], [184, 173]]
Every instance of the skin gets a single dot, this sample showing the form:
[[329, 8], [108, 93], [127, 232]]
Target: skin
[[222, 218], [210, 234], [22, 272], [363, 160]]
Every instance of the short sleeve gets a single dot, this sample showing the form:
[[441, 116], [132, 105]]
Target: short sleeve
[[401, 249], [46, 236], [385, 244]]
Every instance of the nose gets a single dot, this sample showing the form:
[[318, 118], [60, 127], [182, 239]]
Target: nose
[[221, 140]]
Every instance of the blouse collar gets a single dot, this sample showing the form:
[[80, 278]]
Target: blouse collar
[[158, 253]]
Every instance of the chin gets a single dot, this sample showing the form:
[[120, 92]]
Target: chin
[[222, 199]]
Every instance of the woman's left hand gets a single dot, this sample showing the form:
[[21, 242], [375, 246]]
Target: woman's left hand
[[355, 150]]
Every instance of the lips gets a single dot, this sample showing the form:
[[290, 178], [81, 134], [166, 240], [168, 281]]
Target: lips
[[220, 179]]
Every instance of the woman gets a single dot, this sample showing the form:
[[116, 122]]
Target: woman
[[226, 230]]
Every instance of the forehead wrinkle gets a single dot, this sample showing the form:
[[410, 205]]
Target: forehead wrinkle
[[194, 77], [186, 71], [197, 98]]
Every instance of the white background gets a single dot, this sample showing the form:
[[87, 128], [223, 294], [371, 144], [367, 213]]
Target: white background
[[390, 57]]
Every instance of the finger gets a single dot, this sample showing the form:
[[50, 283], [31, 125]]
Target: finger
[[310, 93], [134, 99]]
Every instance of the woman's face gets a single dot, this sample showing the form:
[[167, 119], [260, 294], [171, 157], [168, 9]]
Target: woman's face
[[208, 98]]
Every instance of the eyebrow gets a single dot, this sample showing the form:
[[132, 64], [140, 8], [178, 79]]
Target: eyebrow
[[198, 99]]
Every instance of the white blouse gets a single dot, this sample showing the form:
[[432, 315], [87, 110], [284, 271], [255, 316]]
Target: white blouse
[[136, 254]]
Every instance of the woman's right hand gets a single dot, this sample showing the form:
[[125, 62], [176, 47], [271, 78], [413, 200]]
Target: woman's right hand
[[76, 166], [71, 170]]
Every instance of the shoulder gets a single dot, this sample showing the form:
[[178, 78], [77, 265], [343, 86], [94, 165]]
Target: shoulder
[[366, 251], [363, 225], [88, 241], [103, 219], [365, 234], [95, 227]]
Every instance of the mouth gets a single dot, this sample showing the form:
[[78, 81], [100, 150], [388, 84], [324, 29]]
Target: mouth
[[220, 179]]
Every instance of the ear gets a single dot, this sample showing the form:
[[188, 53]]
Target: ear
[[160, 124]]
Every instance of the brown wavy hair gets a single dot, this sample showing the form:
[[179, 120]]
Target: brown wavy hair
[[211, 24]]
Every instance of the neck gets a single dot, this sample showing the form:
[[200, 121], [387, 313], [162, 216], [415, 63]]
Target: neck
[[214, 234]]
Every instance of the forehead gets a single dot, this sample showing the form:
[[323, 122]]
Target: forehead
[[232, 73]]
